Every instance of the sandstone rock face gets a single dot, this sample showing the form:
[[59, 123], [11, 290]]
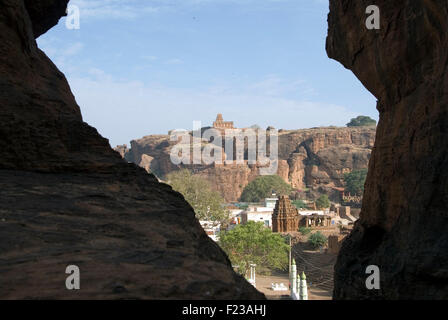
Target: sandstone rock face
[[309, 158], [68, 198], [42, 127], [403, 223], [318, 158]]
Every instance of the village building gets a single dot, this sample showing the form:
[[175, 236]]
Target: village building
[[258, 214], [211, 229], [313, 212], [270, 202], [316, 220], [343, 215], [235, 215], [334, 243]]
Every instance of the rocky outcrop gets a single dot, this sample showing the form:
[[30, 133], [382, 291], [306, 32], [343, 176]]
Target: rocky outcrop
[[44, 14], [69, 199], [313, 159], [42, 127], [403, 223], [318, 158]]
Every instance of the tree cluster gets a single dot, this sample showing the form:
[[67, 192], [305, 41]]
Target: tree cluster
[[361, 121], [263, 186], [354, 181], [207, 204], [254, 243]]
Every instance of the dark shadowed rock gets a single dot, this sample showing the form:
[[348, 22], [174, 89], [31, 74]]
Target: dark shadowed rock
[[44, 14], [68, 198], [404, 219]]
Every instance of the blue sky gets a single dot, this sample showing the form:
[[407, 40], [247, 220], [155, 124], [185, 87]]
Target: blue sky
[[140, 67]]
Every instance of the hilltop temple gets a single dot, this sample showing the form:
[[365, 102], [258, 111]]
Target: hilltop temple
[[285, 217], [221, 124]]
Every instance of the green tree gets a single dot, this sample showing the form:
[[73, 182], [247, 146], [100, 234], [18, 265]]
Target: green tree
[[208, 204], [317, 240], [323, 202], [254, 243], [361, 121], [263, 186], [355, 180], [299, 204], [304, 230]]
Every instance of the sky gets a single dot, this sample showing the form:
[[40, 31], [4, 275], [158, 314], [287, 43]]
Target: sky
[[141, 67]]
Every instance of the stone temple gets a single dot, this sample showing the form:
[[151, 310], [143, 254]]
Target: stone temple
[[221, 124], [285, 217]]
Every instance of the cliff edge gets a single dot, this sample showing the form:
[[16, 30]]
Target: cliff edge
[[314, 159], [403, 223], [69, 199]]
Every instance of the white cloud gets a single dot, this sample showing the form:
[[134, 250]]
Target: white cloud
[[125, 110], [72, 49], [174, 61], [273, 85], [129, 9], [110, 9], [149, 57]]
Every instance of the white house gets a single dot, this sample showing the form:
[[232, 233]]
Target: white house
[[270, 202], [211, 229], [258, 214], [313, 212]]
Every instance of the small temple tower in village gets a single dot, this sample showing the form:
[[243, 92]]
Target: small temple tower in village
[[285, 217], [221, 124]]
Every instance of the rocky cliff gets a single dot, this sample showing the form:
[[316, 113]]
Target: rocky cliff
[[68, 198], [403, 223], [310, 158]]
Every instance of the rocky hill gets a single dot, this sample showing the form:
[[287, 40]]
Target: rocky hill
[[404, 219], [69, 199], [314, 159]]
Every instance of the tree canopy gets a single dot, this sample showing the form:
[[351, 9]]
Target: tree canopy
[[317, 240], [323, 202], [305, 230], [361, 121], [254, 243], [208, 204], [355, 180], [263, 186], [299, 204]]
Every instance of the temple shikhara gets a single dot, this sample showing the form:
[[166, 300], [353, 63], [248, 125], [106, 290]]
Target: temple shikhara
[[221, 124], [286, 217]]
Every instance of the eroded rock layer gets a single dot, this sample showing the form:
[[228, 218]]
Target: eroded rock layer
[[69, 199], [404, 222], [309, 158]]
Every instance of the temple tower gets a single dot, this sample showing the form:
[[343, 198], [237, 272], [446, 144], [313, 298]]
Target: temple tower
[[221, 124], [285, 217]]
